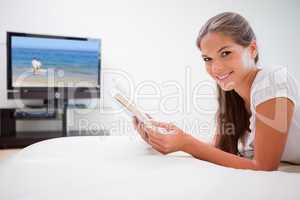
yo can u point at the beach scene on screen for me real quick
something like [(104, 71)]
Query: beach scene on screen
[(51, 62)]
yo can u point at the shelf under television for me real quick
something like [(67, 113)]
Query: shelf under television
[(35, 118)]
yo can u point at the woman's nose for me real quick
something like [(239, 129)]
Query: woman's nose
[(217, 67)]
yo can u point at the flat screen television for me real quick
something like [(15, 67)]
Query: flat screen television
[(37, 64)]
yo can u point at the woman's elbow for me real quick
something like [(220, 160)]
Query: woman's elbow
[(266, 166)]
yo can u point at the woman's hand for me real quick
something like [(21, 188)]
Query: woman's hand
[(173, 139), (140, 128)]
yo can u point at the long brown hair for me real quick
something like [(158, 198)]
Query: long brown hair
[(232, 116)]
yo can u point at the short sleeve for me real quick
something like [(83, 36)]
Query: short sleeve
[(275, 83)]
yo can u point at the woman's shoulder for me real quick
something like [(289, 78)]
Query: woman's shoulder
[(272, 82)]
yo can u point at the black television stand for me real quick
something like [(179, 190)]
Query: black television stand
[(10, 137)]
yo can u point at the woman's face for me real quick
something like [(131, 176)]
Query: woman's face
[(226, 61)]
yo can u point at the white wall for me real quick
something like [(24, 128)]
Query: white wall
[(154, 40)]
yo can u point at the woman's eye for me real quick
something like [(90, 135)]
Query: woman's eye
[(207, 59), (225, 53)]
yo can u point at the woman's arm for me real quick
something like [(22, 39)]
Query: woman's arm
[(273, 119), (207, 152)]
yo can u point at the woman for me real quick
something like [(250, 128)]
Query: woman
[(36, 65), (258, 115)]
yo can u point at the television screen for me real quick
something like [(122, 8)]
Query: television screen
[(53, 61)]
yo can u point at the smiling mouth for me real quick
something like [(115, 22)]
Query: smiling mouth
[(224, 77)]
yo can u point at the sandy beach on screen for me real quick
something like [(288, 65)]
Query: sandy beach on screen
[(24, 77)]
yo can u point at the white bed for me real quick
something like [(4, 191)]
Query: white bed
[(123, 167)]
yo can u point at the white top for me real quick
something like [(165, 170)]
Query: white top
[(271, 83), (36, 64)]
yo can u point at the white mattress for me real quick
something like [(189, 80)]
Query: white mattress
[(123, 167)]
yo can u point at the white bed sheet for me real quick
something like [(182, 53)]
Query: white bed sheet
[(124, 167)]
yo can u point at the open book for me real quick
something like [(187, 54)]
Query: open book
[(133, 109), (129, 105)]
